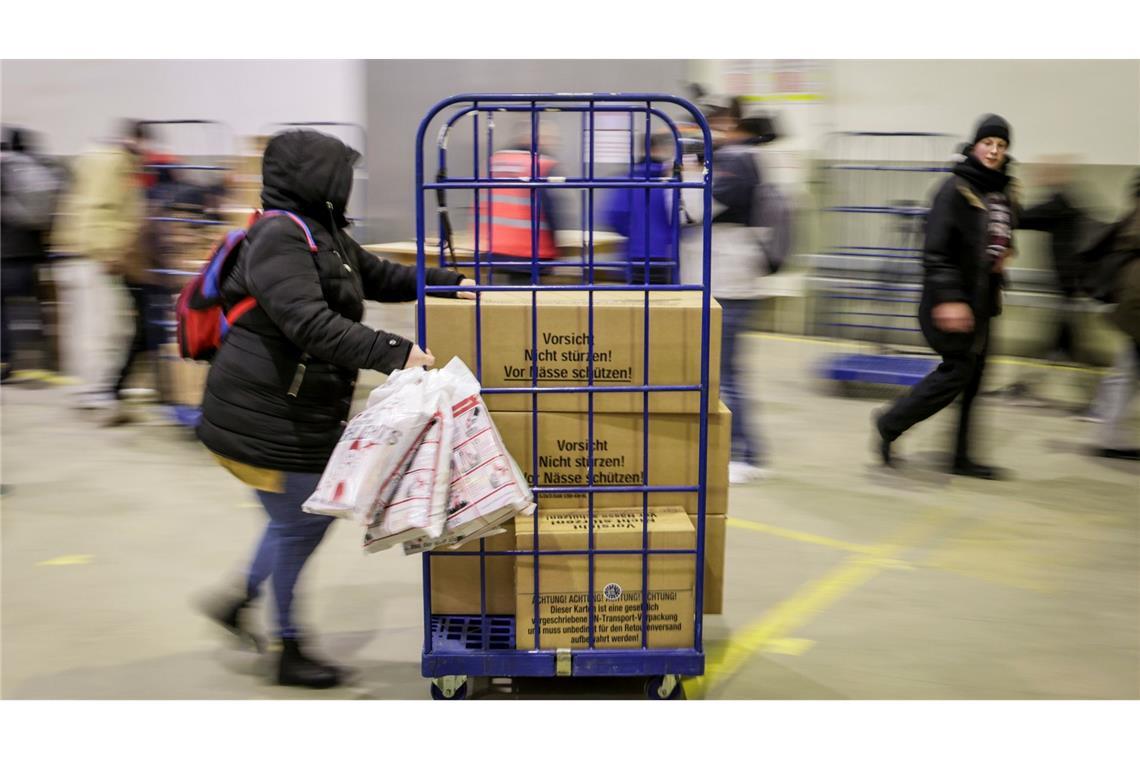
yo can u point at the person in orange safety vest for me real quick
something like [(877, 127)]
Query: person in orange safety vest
[(506, 215)]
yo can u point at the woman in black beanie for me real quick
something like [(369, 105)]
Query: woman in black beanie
[(968, 239)]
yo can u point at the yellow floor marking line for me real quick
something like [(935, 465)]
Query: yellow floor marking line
[(725, 660), (797, 535), (794, 647), (67, 559), (42, 375)]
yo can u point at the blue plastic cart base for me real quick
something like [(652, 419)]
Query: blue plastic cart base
[(881, 369), (187, 416), (457, 649)]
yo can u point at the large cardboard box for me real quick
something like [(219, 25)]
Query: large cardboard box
[(455, 579), (563, 349), (714, 564), (563, 583), (619, 455), (183, 381)]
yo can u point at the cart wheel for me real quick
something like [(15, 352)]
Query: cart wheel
[(664, 687), (456, 685)]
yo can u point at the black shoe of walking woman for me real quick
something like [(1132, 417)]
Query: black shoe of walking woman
[(970, 469), (295, 668), (882, 444), (230, 612)]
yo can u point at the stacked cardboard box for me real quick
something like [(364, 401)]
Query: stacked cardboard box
[(618, 460), (562, 349), (182, 381), (503, 328), (563, 583)]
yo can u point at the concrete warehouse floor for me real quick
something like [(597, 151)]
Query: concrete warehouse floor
[(843, 581)]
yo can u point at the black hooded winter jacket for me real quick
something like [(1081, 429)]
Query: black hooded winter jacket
[(955, 267), (309, 307)]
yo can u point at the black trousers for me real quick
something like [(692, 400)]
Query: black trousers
[(1065, 342), (17, 280), (959, 374), (147, 335), (658, 275)]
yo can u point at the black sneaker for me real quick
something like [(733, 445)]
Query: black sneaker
[(970, 469), (230, 612), (1130, 455), (882, 444), (295, 668)]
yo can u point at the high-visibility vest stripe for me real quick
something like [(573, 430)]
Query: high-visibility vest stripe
[(508, 212)]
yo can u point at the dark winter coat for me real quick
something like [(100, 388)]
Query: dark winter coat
[(1068, 227), (1113, 270), (309, 310), (954, 260)]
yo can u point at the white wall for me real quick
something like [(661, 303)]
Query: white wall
[(1090, 109), (74, 102), (1087, 108)]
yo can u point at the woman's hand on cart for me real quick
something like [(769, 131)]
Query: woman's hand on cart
[(419, 357), (468, 295), (954, 317)]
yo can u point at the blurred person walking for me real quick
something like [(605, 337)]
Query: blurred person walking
[(30, 187), (150, 292), (634, 214), (281, 386), (739, 259), (1063, 218), (1114, 278), (506, 223), (101, 220), (968, 240)]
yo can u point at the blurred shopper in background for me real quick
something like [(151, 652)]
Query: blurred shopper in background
[(739, 260), (102, 218), (30, 188), (646, 218), (1114, 277), (968, 240), (1063, 218), (506, 223), (281, 386), (149, 291)]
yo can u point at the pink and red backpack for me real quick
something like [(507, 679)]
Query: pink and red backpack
[(202, 319)]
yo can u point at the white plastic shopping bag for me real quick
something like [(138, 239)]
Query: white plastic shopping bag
[(487, 487), (416, 506), (375, 448)]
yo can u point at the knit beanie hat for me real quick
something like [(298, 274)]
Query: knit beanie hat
[(992, 125)]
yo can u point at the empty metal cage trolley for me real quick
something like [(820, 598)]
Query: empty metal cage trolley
[(867, 282)]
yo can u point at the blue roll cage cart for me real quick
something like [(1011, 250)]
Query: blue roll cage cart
[(869, 280), (456, 648)]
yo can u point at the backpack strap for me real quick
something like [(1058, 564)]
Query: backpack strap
[(296, 220), (240, 308)]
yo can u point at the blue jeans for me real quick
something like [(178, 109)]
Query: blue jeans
[(737, 316), (290, 538)]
